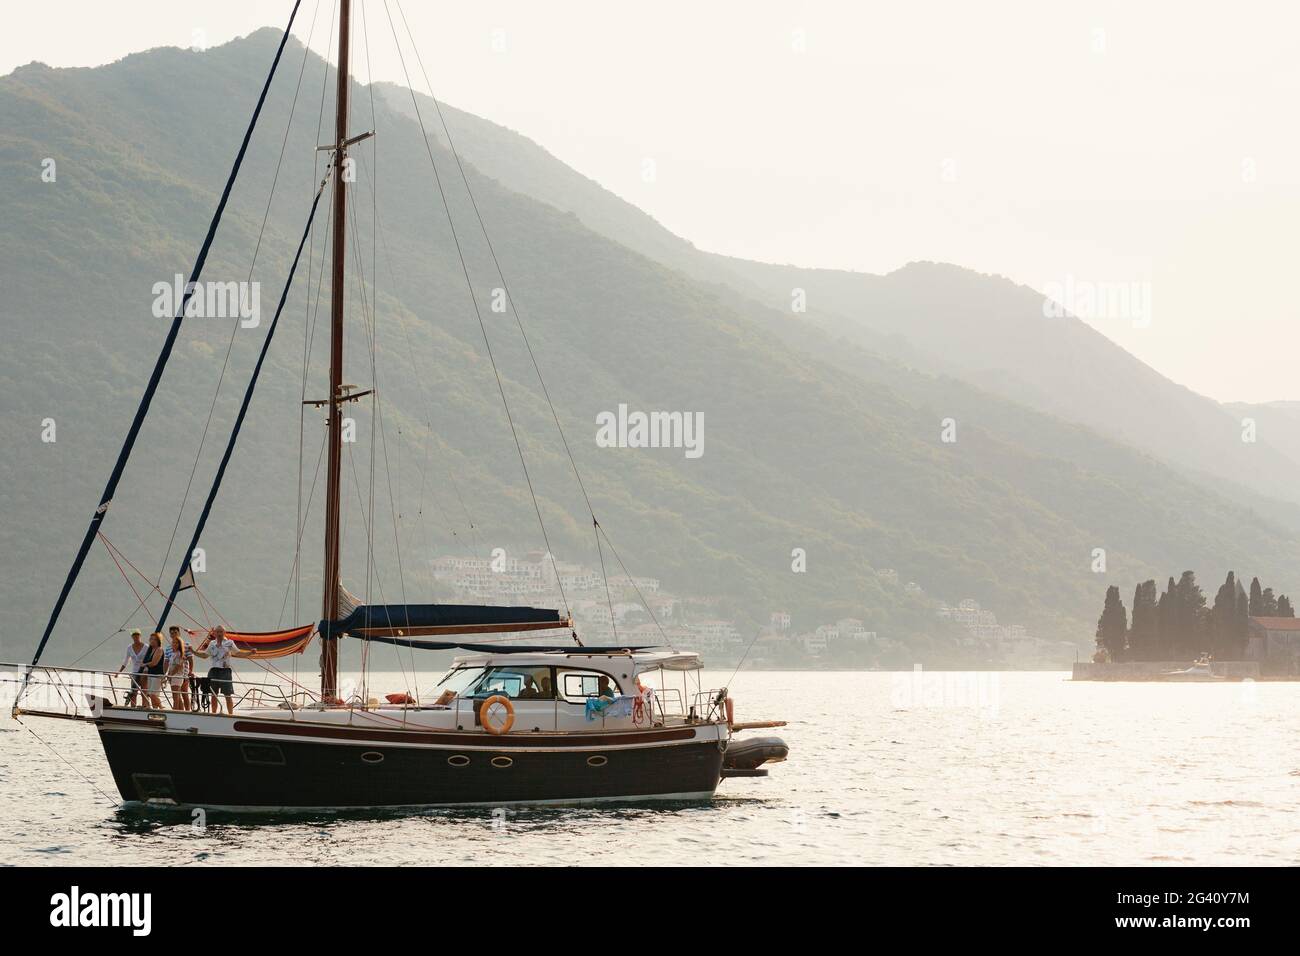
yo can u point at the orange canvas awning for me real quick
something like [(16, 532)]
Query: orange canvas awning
[(266, 645)]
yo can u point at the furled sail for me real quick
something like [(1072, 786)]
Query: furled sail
[(414, 620), (510, 648)]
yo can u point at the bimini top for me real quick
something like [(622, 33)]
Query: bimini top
[(598, 658)]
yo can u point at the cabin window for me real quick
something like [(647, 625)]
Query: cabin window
[(579, 685), (517, 683)]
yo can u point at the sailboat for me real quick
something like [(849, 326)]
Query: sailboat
[(509, 723)]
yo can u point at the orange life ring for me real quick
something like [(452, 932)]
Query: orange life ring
[(505, 726)]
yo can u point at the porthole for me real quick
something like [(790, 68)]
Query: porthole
[(372, 756), (597, 760), (502, 762), (458, 760)]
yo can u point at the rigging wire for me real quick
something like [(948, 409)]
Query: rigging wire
[(71, 766), (599, 531), (422, 384), (635, 587), (246, 401), (478, 313), (372, 330), (370, 321), (160, 364), (205, 604), (309, 335), (295, 569), (221, 377)]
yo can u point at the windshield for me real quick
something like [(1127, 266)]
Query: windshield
[(458, 678)]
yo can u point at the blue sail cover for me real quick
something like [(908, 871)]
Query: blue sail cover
[(578, 649), (413, 620)]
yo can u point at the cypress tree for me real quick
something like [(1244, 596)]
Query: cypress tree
[(1112, 626), (1267, 604), (1241, 627), (1223, 618), (1191, 622), (1284, 608), (1165, 623), (1144, 632), (1256, 598)]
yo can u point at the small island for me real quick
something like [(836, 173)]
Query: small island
[(1177, 636)]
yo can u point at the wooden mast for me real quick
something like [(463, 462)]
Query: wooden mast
[(329, 661)]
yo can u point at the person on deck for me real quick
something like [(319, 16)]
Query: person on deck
[(604, 696), (154, 668), (189, 690), (136, 653), (179, 660), (218, 650), (603, 689)]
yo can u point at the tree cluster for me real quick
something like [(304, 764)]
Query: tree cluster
[(1178, 624)]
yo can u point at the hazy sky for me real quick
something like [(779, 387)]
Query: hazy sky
[(1083, 145)]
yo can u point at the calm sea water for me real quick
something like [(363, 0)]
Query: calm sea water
[(990, 768)]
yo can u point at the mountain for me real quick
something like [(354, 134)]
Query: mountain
[(815, 437), (1278, 423), (983, 329)]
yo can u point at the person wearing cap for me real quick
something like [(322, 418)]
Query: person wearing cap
[(136, 653)]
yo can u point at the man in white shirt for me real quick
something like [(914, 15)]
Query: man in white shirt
[(218, 650), (136, 653)]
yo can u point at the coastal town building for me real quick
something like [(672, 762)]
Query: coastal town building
[(639, 610), (1274, 642)]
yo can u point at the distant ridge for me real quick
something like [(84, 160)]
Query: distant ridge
[(823, 431)]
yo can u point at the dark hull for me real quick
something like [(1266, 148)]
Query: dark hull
[(220, 771)]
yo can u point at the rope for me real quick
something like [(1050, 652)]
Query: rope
[(115, 552), (51, 749)]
